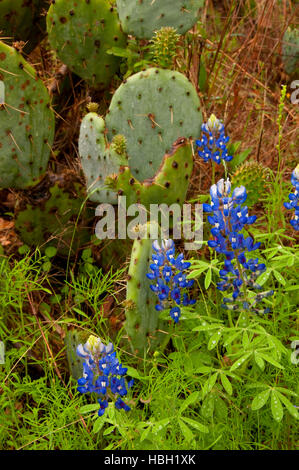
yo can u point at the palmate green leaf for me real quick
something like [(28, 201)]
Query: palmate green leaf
[(231, 337), (287, 391), (208, 405), (220, 408), (276, 407), (208, 278), (145, 433), (188, 434), (108, 430), (98, 424), (260, 361), (264, 277), (89, 408), (279, 277), (240, 361), (226, 384), (245, 340), (189, 400), (195, 424), (271, 360), (289, 406), (206, 327), (209, 384), (214, 340), (196, 273), (260, 400)]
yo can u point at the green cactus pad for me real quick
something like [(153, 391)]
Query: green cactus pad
[(253, 176), (26, 122), (142, 319), (72, 339), (53, 220), (81, 32), (152, 109), (97, 161), (290, 52), (23, 21), (169, 185), (142, 17)]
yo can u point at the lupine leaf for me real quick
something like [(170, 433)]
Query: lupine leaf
[(276, 407), (206, 327), (98, 424), (260, 400), (188, 434), (260, 362), (214, 340), (279, 277), (240, 361), (226, 384), (208, 278), (271, 360), (289, 406), (209, 384), (189, 400), (89, 408), (195, 424)]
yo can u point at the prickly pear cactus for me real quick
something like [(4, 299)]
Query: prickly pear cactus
[(169, 185), (23, 21), (152, 109), (53, 219), (254, 177), (26, 122), (290, 51), (72, 339), (98, 161), (81, 32), (142, 319), (142, 17)]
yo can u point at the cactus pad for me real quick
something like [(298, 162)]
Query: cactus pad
[(142, 17), (26, 122), (169, 185), (97, 161), (72, 339), (81, 32), (152, 109), (254, 177), (53, 219), (142, 320), (290, 51)]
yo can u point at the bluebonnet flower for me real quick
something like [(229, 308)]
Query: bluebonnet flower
[(294, 199), (212, 145), (103, 374), (228, 219), (167, 271)]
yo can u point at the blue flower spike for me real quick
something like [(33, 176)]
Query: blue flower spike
[(103, 374), (212, 145), (169, 276), (293, 203), (228, 218)]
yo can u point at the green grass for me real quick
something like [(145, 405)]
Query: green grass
[(177, 403)]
